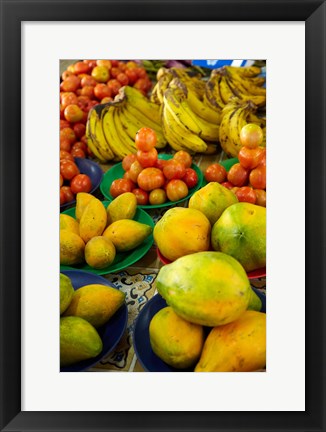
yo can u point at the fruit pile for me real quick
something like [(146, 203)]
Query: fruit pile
[(98, 233), (208, 293), (82, 312), (153, 180), (246, 178), (86, 84)]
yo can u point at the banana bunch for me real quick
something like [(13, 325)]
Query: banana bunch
[(235, 115), (231, 81), (111, 128), (187, 122)]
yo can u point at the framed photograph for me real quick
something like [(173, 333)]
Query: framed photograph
[(35, 36)]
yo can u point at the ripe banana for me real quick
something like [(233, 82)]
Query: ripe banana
[(96, 135), (126, 141), (92, 146), (246, 84), (191, 141), (247, 71), (212, 92), (201, 109), (111, 134)]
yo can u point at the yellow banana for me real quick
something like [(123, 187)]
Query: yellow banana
[(127, 142), (186, 138), (201, 109), (247, 71), (225, 90), (154, 96), (140, 102), (96, 134), (163, 84), (93, 147), (172, 140), (247, 84), (212, 92), (111, 134)]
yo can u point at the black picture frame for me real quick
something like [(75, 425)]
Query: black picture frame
[(13, 13)]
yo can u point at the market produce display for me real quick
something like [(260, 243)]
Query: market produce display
[(168, 157)]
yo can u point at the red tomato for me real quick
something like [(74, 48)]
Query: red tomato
[(142, 84), (68, 98), (251, 135), (246, 194), (141, 72), (123, 79), (68, 194), (261, 197), (263, 161), (257, 177), (68, 134), (132, 76), (120, 186), (65, 145), (78, 152), (141, 196), (114, 86), (134, 170), (115, 71), (184, 157), (176, 189), (106, 63), (81, 67), (215, 173), (79, 129), (174, 169), (79, 145), (147, 158), (128, 160), (73, 113), (64, 124), (68, 169), (157, 196), (64, 154), (66, 74), (250, 158), (238, 175), (190, 178), (61, 180), (160, 163), (81, 183), (70, 84), (106, 100), (145, 139), (88, 80), (150, 178), (102, 90), (86, 91), (114, 63)]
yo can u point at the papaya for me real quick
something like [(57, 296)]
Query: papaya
[(95, 303), (255, 302), (241, 233), (93, 220), (69, 223), (182, 231), (99, 252), (82, 199), (72, 248), (79, 340), (212, 200), (124, 206), (66, 292), (174, 340), (239, 346), (207, 288), (127, 234)]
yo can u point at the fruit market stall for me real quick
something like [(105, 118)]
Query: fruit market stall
[(161, 163)]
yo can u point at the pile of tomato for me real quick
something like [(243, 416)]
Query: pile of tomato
[(153, 180), (247, 178), (72, 180), (85, 84)]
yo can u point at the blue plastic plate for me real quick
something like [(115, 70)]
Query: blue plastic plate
[(93, 170), (110, 333), (149, 361)]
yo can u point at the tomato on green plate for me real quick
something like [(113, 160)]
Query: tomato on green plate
[(117, 172), (122, 259), (227, 163)]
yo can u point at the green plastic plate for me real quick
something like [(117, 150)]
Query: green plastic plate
[(117, 172), (122, 259)]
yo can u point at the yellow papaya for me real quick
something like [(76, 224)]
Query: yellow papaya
[(207, 288), (174, 340), (82, 199), (127, 234), (239, 346), (69, 223), (124, 206), (72, 248), (99, 252), (95, 303), (182, 231), (93, 220)]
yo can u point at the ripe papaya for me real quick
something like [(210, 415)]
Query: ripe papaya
[(72, 248), (124, 206), (93, 220), (182, 231), (239, 346), (207, 288), (127, 234)]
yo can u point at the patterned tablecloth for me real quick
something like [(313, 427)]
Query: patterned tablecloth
[(138, 282)]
